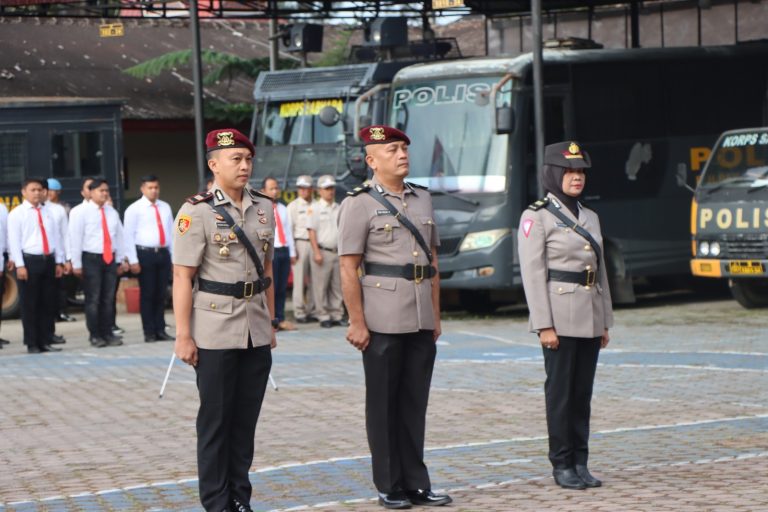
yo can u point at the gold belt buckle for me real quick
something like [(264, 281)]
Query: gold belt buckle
[(248, 289), (590, 277), (418, 276)]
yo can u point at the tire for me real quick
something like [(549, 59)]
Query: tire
[(11, 298), (476, 302), (750, 293)]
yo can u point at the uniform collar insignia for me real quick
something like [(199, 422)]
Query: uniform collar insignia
[(555, 202), (219, 195)]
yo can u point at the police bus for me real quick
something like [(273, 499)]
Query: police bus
[(641, 113), (62, 138), (729, 216)]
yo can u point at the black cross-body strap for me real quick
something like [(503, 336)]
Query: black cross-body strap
[(242, 237), (575, 226), (403, 220)]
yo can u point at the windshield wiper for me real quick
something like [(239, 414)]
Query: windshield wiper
[(452, 193), (729, 181)]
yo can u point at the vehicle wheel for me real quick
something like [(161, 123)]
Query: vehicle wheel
[(476, 301), (750, 293), (11, 297)]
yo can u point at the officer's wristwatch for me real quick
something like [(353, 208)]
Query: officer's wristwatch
[(275, 323)]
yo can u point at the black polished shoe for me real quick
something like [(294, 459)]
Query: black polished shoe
[(337, 323), (150, 338), (394, 500), (113, 341), (163, 336), (427, 498), (116, 329), (326, 323), (57, 340), (303, 320), (49, 348), (568, 479), (238, 506), (586, 476), (34, 350), (3, 341), (311, 318), (98, 342), (63, 317)]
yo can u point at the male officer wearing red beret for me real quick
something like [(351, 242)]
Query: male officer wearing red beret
[(386, 228), (223, 304)]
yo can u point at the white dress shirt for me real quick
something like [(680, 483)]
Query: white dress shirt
[(86, 235), (25, 236), (73, 212), (59, 214), (140, 226), (282, 211), (3, 230)]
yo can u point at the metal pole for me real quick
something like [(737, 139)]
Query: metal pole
[(197, 77), (273, 42), (634, 9), (538, 83)]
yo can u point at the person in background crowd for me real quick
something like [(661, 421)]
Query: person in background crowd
[(298, 212), (96, 241), (59, 216), (285, 251), (38, 255), (149, 227), (61, 213), (324, 238), (3, 259)]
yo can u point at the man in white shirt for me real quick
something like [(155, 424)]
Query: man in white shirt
[(285, 252), (97, 250), (60, 213), (3, 258), (38, 256), (298, 212), (149, 228)]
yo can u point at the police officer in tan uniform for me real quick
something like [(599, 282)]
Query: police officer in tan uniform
[(224, 306), (298, 213), (386, 229), (566, 287), (324, 236)]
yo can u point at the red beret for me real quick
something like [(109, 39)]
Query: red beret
[(224, 138), (381, 134)]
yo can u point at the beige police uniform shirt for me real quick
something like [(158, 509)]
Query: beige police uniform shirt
[(324, 221), (391, 304), (220, 321), (298, 212), (545, 242)]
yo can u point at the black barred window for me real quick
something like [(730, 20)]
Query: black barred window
[(13, 156)]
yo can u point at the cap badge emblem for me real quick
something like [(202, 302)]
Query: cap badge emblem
[(574, 149), (225, 139), (377, 133)]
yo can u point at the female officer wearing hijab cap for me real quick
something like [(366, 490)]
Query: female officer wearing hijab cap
[(566, 288)]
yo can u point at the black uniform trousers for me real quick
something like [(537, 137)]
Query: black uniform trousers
[(568, 393), (99, 285), (231, 384), (2, 285), (38, 299), (398, 373), (281, 269), (153, 288)]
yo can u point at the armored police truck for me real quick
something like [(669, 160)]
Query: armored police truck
[(729, 216), (641, 114), (63, 138)]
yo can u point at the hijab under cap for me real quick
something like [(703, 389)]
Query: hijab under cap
[(557, 158), (552, 182)]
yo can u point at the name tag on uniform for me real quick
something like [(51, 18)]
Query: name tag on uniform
[(561, 225), (383, 212)]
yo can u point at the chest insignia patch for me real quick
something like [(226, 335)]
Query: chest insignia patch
[(260, 212), (527, 225), (383, 212), (183, 224), (263, 220)]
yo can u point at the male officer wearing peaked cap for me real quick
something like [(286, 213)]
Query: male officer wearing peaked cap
[(223, 304), (386, 229)]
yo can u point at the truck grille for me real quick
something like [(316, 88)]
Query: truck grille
[(749, 246), (448, 246)]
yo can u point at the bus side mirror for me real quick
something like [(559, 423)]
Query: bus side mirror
[(328, 115), (505, 120), (682, 177)]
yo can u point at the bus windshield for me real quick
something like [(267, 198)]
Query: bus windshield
[(454, 147), (740, 160)]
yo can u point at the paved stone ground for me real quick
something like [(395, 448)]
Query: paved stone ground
[(680, 419)]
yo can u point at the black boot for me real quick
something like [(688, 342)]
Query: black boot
[(586, 476), (568, 479)]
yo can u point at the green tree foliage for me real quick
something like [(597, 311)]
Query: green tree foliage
[(338, 54)]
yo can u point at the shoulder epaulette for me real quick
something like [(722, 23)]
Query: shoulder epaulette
[(200, 198), (359, 190), (539, 204), (423, 187), (256, 193)]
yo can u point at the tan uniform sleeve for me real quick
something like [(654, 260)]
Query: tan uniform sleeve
[(532, 249), (604, 284), (189, 236), (353, 227)]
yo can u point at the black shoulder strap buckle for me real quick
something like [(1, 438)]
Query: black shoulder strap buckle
[(403, 219), (578, 229), (238, 231)]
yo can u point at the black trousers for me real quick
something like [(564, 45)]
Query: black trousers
[(281, 269), (2, 284), (38, 300), (231, 384), (398, 373), (153, 288), (568, 393), (99, 285)]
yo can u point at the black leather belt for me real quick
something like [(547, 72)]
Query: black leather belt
[(150, 249), (409, 271), (327, 249), (238, 290), (37, 256), (302, 239), (585, 278)]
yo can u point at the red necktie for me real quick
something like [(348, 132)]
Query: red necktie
[(46, 248), (159, 225), (106, 253), (280, 232)]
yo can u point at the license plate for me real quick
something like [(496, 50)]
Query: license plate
[(746, 267)]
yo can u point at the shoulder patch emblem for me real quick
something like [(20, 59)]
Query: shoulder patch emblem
[(359, 190), (183, 224), (527, 225), (199, 198), (255, 193), (423, 187), (538, 205)]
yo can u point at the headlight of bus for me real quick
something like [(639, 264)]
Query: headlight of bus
[(714, 249), (704, 248), (482, 239)]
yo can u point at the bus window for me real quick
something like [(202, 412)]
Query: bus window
[(13, 157), (76, 154)]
